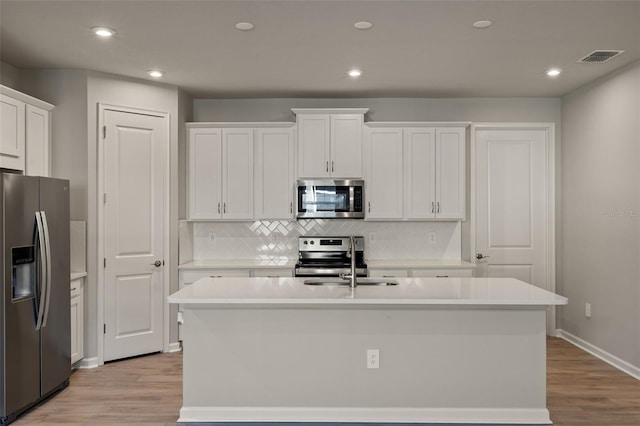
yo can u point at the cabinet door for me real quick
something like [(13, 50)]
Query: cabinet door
[(420, 173), (313, 145), (12, 134), (237, 169), (205, 174), (37, 141), (346, 145), (274, 174), (384, 173), (77, 327), (450, 173)]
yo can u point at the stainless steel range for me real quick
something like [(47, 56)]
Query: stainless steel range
[(328, 257)]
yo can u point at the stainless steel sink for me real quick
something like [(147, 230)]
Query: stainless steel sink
[(345, 282)]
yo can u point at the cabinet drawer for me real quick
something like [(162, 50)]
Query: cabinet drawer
[(189, 277), (272, 273), (76, 287), (389, 273), (426, 273)]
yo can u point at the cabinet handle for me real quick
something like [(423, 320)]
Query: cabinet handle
[(332, 166), (442, 276), (218, 207), (327, 167), (433, 207), (369, 207), (291, 207), (224, 207), (388, 276), (438, 210), (73, 289)]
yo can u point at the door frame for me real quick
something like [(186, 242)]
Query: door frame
[(550, 170), (100, 292)]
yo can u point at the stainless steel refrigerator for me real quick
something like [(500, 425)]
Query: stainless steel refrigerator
[(35, 339)]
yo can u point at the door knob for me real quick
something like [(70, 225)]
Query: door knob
[(480, 256), (157, 263)]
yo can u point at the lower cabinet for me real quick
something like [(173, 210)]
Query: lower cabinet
[(77, 315)]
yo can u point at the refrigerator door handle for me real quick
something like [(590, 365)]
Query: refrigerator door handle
[(48, 253), (43, 266)]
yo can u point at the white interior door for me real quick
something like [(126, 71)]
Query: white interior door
[(134, 175), (511, 204)]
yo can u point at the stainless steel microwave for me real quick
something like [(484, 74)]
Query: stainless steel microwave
[(330, 199)]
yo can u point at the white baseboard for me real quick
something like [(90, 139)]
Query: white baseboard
[(522, 416), (613, 360), (86, 363), (175, 347)]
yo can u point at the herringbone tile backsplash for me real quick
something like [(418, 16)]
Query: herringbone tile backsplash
[(278, 240)]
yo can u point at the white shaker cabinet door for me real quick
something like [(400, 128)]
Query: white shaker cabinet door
[(205, 173), (237, 174), (12, 133), (420, 172), (383, 195), (346, 145), (450, 173), (274, 174), (37, 141), (313, 145)]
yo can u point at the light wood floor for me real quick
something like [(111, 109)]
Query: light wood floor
[(581, 391)]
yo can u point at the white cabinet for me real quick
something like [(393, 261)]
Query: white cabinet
[(415, 172), (220, 182), (450, 173), (441, 273), (435, 172), (384, 189), (77, 320), (330, 142), (274, 174), (12, 128), (24, 133)]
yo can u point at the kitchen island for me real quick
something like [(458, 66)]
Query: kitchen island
[(464, 350)]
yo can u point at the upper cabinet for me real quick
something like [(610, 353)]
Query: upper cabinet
[(415, 171), (240, 171), (274, 174), (330, 142), (220, 183), (24, 133)]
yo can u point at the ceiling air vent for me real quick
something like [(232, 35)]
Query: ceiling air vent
[(599, 56)]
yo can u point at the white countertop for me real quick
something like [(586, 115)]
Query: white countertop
[(230, 292), (76, 275), (291, 263)]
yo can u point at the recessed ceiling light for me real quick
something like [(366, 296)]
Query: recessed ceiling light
[(103, 31), (244, 26), (554, 72), (481, 24), (363, 25), (354, 73), (155, 73)]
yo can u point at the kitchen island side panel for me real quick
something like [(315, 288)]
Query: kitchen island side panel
[(430, 357)]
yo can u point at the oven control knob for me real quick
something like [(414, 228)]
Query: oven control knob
[(306, 242), (312, 242)]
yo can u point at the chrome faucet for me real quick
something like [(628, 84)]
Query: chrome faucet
[(351, 252)]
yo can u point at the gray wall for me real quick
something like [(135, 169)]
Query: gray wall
[(601, 213), (398, 109), (120, 91), (9, 76)]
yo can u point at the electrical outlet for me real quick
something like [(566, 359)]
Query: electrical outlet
[(373, 358), (372, 236), (212, 237), (587, 310), (433, 238)]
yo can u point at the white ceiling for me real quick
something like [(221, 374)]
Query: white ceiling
[(304, 48)]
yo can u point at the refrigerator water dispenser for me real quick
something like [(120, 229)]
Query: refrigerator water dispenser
[(23, 273)]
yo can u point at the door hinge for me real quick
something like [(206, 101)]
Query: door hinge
[(105, 262), (104, 328), (104, 132)]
